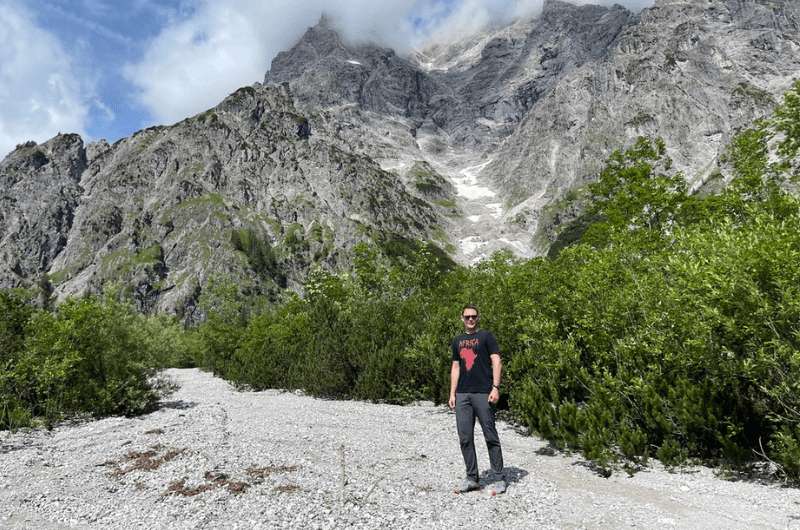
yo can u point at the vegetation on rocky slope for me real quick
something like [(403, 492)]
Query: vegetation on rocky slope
[(669, 328)]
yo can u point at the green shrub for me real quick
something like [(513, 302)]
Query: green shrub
[(258, 250), (14, 313), (691, 347), (87, 357), (167, 343), (225, 316)]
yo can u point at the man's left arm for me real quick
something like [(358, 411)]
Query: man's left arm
[(497, 370)]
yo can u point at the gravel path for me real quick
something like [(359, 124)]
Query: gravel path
[(212, 457)]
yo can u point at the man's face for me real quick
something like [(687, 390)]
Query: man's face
[(470, 318)]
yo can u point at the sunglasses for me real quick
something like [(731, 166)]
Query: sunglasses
[(469, 317)]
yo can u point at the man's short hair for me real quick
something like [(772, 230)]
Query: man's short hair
[(470, 306)]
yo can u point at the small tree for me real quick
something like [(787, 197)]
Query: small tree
[(636, 191)]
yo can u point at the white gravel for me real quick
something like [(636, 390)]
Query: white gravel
[(332, 464)]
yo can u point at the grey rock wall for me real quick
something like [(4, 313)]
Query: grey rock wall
[(546, 100), (693, 73), (39, 193), (231, 192)]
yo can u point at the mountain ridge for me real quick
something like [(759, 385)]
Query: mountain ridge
[(158, 211)]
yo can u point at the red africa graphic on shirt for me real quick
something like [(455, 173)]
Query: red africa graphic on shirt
[(469, 355)]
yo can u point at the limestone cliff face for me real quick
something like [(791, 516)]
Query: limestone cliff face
[(468, 89), (520, 64), (231, 192), (541, 103), (693, 73), (39, 193)]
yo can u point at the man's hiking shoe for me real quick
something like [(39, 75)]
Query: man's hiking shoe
[(496, 488), (466, 486)]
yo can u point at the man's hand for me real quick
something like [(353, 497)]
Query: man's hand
[(494, 396), (455, 371)]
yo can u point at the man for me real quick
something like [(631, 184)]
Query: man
[(474, 389)]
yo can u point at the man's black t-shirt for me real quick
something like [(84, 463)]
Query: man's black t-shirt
[(472, 351)]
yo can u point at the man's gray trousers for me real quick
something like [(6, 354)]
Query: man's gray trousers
[(468, 407)]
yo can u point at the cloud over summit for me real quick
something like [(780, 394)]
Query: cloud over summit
[(195, 62)]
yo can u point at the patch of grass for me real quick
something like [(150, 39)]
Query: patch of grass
[(209, 117), (753, 93), (274, 225), (287, 488), (59, 277), (446, 203), (294, 238), (70, 271), (208, 199), (119, 260), (245, 91), (214, 480), (257, 249), (315, 232), (195, 208), (178, 487), (322, 237), (148, 460), (146, 138), (425, 179), (440, 235), (260, 473), (122, 261), (219, 479), (148, 255)]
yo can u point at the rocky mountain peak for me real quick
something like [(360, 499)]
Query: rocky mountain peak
[(323, 70), (40, 192), (62, 155), (533, 108), (320, 40), (583, 30), (323, 45), (233, 192)]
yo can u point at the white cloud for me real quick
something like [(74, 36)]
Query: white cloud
[(470, 16), (192, 64), (224, 44), (40, 94)]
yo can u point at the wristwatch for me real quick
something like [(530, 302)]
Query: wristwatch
[(496, 386)]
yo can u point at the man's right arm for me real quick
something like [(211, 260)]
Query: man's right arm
[(455, 371)]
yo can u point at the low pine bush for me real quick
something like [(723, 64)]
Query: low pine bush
[(92, 356)]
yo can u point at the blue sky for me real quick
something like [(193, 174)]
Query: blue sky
[(102, 38), (106, 68)]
